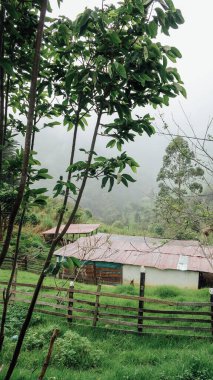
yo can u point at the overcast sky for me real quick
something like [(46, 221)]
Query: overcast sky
[(194, 40)]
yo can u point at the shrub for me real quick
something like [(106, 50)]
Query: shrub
[(37, 339), (73, 350), (196, 370), (159, 230), (126, 289), (195, 374), (33, 219), (117, 224), (15, 317), (167, 292)]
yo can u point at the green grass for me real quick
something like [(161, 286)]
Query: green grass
[(125, 356)]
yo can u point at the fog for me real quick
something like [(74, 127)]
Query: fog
[(194, 40)]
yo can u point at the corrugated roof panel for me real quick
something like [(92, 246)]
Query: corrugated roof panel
[(75, 229), (167, 261)]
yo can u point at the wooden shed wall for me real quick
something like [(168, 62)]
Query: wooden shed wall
[(98, 273)]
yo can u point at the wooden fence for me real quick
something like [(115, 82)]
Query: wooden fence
[(24, 263), (132, 314)]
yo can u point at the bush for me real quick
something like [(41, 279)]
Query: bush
[(37, 339), (127, 289), (167, 292), (73, 350), (159, 230), (15, 318), (33, 219), (195, 373), (118, 224), (189, 374)]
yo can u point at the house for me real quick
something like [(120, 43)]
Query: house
[(116, 259)]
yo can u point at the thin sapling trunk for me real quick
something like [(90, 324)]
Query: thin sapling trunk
[(49, 257)]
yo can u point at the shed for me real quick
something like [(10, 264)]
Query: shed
[(74, 231), (115, 259)]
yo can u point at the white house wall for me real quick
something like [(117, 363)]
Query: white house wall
[(131, 272), (157, 277)]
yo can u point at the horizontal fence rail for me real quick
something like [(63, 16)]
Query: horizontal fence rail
[(117, 311)]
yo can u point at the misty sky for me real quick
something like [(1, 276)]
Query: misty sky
[(194, 40)]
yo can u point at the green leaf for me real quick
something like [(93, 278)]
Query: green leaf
[(134, 169), (68, 79), (124, 181), (68, 264), (114, 37), (128, 177), (171, 56), (139, 4), (104, 182), (71, 187), (40, 191), (49, 9), (76, 262), (153, 29), (58, 188), (51, 124), (120, 69), (170, 5), (111, 183), (145, 53), (41, 201), (161, 15), (178, 17), (176, 52), (119, 146), (83, 20), (111, 144), (181, 89), (110, 71)]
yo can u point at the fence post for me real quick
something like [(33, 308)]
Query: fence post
[(25, 262), (13, 287), (70, 303), (141, 303), (211, 300), (95, 319)]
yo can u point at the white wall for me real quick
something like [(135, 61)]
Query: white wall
[(156, 277), (131, 272)]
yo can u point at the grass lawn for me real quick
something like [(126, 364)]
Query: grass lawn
[(121, 356)]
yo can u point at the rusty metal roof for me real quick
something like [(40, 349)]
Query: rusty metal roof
[(148, 252), (75, 229)]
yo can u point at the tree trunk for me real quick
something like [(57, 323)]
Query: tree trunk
[(69, 173), (7, 293), (2, 17)]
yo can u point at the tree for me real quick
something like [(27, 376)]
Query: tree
[(107, 62), (7, 12), (178, 205), (201, 144)]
